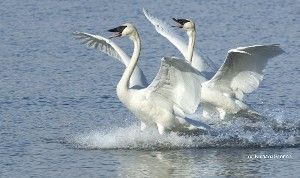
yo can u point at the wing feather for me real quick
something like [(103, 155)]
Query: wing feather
[(164, 29), (110, 48), (243, 68), (179, 82)]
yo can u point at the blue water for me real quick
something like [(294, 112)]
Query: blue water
[(60, 116)]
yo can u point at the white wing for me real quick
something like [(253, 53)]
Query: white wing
[(243, 68), (179, 83), (110, 48), (164, 29)]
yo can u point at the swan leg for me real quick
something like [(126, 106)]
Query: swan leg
[(161, 129), (222, 113), (143, 126)]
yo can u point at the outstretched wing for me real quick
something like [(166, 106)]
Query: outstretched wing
[(110, 48), (178, 82), (164, 29), (243, 68)]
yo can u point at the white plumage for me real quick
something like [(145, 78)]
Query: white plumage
[(164, 29), (110, 48), (178, 82), (241, 72), (164, 102)]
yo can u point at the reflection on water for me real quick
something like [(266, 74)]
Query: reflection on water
[(145, 165), (204, 162)]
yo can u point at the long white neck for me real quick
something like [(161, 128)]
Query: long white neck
[(123, 85), (192, 36)]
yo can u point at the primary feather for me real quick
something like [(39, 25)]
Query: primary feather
[(241, 72), (164, 29), (243, 67), (110, 48)]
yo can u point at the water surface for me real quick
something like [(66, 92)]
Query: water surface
[(60, 116)]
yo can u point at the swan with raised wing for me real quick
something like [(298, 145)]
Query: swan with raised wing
[(205, 66), (241, 72), (163, 103)]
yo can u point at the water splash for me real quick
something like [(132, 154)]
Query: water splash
[(278, 131), (129, 138)]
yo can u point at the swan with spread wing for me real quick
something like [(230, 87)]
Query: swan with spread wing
[(241, 72), (163, 103), (205, 66)]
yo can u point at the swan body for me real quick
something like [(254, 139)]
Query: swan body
[(241, 72), (162, 103)]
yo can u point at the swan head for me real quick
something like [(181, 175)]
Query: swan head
[(126, 29), (185, 24)]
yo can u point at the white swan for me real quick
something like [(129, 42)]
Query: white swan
[(163, 103), (204, 66), (241, 72)]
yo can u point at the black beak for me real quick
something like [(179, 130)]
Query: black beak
[(117, 31), (180, 22)]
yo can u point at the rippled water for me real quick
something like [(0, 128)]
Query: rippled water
[(60, 116)]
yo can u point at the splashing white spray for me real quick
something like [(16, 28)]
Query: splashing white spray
[(234, 133)]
